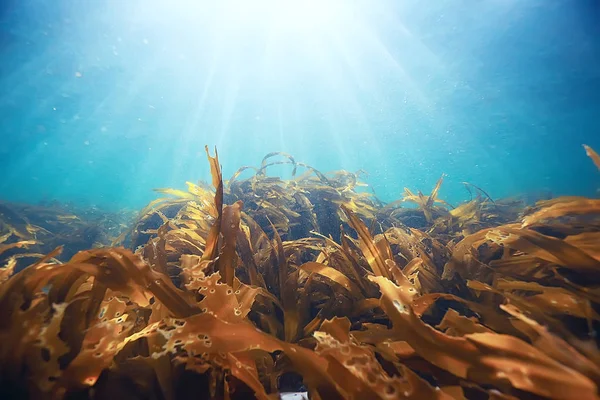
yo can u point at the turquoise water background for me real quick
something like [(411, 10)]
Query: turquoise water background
[(102, 101)]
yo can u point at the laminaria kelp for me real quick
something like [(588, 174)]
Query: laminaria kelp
[(245, 288)]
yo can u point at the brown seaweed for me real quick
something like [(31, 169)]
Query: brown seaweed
[(228, 288)]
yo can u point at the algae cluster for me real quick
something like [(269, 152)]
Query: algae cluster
[(248, 287)]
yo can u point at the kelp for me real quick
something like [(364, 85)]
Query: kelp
[(26, 231), (230, 289)]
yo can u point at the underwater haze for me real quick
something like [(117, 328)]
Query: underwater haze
[(103, 101), (316, 199)]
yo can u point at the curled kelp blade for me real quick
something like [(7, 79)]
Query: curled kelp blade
[(468, 185), (263, 164), (239, 172)]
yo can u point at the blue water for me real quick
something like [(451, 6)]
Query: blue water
[(102, 101)]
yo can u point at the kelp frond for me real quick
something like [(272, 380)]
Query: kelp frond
[(230, 289)]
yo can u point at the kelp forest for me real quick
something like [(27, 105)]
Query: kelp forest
[(249, 288)]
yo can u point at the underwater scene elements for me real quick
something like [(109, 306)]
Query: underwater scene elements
[(299, 199), (247, 288)]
